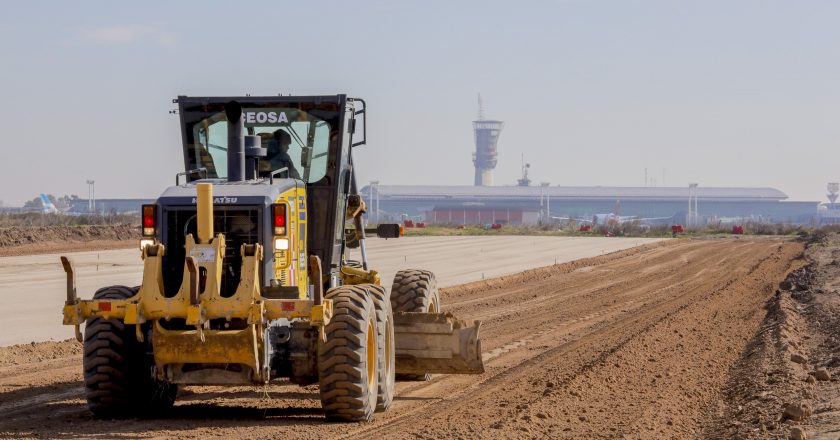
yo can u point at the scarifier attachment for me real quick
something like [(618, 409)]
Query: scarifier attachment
[(436, 343)]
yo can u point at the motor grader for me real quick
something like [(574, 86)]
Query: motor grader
[(247, 275)]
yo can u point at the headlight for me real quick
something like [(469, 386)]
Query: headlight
[(145, 242)]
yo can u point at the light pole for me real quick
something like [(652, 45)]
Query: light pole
[(691, 219), (91, 196), (547, 200)]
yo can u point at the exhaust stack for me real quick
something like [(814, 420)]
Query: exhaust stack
[(236, 142)]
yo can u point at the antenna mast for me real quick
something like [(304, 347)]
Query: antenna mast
[(524, 181)]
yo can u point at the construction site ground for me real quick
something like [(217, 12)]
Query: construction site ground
[(35, 315), (689, 338)]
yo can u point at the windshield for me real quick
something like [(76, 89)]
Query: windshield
[(294, 139)]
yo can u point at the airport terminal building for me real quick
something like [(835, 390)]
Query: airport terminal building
[(531, 205), (524, 205)]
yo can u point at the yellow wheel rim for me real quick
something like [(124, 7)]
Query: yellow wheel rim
[(371, 357)]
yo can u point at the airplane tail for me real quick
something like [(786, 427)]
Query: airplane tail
[(47, 204)]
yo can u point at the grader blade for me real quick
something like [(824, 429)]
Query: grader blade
[(436, 343)]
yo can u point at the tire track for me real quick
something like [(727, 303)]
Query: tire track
[(490, 385)]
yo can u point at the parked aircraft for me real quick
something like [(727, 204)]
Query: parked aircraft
[(614, 218), (48, 206)]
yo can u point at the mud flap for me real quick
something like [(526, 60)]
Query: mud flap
[(436, 343)]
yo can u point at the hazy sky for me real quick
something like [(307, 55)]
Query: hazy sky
[(724, 93)]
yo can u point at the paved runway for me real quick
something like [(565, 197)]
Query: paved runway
[(32, 288)]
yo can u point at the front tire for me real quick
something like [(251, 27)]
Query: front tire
[(416, 291), (118, 368), (387, 350), (348, 360)]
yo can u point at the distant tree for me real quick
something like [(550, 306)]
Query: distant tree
[(34, 203), (65, 201), (61, 203)]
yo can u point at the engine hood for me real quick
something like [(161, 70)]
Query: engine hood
[(229, 193)]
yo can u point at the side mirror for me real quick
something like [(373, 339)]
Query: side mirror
[(387, 230)]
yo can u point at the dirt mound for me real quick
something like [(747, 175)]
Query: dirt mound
[(38, 352), (783, 383), (19, 240), (17, 236)]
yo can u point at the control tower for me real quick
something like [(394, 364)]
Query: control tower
[(486, 137)]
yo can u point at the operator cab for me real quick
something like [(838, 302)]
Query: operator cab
[(295, 135), (284, 142)]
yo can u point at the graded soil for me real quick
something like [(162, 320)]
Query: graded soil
[(641, 343)]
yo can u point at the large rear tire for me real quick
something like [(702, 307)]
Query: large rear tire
[(118, 368), (387, 351), (415, 290), (347, 361)]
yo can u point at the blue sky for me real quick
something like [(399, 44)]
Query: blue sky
[(722, 93)]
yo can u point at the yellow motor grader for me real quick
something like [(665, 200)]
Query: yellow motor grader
[(247, 276)]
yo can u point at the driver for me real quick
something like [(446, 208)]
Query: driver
[(277, 144), (205, 160)]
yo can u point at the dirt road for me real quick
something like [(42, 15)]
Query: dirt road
[(32, 287), (636, 344)]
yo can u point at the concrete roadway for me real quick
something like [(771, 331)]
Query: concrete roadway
[(32, 288)]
